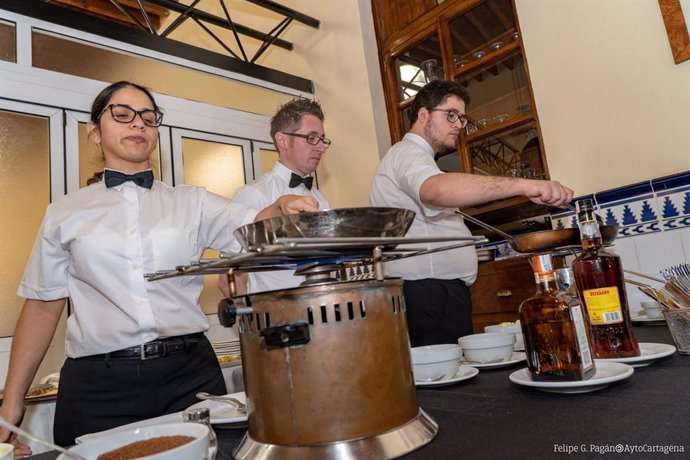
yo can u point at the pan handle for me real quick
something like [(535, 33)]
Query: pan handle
[(485, 225)]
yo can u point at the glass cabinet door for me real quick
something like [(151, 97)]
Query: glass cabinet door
[(418, 66)]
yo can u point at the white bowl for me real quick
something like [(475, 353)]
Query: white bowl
[(193, 450), (508, 327), (487, 347), (433, 361), (652, 309)]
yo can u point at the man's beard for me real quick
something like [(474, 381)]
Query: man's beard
[(437, 144)]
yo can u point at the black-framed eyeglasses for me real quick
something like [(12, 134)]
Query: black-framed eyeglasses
[(452, 116), (312, 138), (125, 114)]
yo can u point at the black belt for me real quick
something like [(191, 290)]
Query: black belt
[(154, 349)]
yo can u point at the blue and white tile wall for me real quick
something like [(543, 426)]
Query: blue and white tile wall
[(654, 226)]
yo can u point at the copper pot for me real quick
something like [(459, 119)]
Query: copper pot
[(327, 364)]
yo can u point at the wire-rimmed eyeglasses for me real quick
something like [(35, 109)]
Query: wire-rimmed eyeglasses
[(452, 116), (312, 138), (125, 114)]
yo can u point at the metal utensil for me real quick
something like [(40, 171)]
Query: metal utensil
[(15, 429), (241, 407), (364, 222), (544, 240)]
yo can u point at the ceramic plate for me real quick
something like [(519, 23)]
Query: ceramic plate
[(463, 373), (223, 412), (649, 352), (607, 373), (516, 358), (645, 320)]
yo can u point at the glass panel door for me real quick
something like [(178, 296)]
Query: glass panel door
[(31, 141)]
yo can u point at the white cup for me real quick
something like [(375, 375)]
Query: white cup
[(6, 451), (652, 309)]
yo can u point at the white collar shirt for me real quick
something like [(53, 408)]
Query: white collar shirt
[(96, 244), (261, 193), (397, 183)]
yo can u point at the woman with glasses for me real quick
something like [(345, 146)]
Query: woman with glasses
[(436, 289), (135, 349)]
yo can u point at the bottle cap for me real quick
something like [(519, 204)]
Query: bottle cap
[(542, 263), (201, 414)]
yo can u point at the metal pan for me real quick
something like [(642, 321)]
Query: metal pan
[(365, 222), (545, 240)]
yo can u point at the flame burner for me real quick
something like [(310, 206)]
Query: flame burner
[(326, 365)]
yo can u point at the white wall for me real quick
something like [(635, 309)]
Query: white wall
[(613, 106)]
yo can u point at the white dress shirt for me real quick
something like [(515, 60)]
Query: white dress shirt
[(396, 183), (95, 245), (259, 194)]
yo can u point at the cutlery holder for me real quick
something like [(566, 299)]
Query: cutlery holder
[(678, 320)]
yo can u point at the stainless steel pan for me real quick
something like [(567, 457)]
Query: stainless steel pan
[(365, 222), (545, 240)]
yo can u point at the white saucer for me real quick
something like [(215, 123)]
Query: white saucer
[(607, 372), (516, 358), (223, 412), (649, 352), (463, 373), (647, 321)]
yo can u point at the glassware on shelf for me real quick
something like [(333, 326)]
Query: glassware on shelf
[(501, 117), (514, 36), (479, 54), (431, 69), (496, 45)]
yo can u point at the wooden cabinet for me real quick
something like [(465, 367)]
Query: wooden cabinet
[(500, 288), (477, 43)]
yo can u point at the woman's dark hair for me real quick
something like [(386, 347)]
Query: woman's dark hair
[(104, 97), (434, 93)]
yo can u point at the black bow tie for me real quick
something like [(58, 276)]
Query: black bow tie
[(295, 180), (114, 178)]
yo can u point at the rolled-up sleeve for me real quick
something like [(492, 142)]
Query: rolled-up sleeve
[(45, 276)]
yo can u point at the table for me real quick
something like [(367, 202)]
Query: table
[(489, 417)]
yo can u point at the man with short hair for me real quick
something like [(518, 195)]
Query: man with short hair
[(436, 289), (298, 135)]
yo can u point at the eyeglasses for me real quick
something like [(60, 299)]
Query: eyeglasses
[(312, 138), (452, 116), (125, 114)]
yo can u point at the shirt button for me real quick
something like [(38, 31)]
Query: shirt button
[(132, 230), (135, 265)]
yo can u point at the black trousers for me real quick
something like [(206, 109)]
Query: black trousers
[(96, 394), (438, 311)]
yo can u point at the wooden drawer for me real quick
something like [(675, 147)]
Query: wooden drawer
[(500, 288)]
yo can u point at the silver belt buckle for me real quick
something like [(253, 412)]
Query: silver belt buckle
[(142, 352)]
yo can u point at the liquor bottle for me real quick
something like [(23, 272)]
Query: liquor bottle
[(554, 329), (601, 286)]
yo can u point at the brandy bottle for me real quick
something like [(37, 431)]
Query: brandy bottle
[(554, 329), (601, 286)]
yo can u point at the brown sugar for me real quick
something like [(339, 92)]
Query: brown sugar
[(147, 447)]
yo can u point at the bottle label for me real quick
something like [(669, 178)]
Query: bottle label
[(581, 331), (589, 229), (603, 305)]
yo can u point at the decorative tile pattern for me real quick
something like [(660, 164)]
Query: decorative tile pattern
[(673, 200), (646, 207)]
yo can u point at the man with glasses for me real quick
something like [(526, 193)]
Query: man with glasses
[(436, 289), (298, 135)]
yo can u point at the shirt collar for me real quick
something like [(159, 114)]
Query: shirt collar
[(284, 172), (421, 142)]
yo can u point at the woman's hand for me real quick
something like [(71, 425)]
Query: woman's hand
[(13, 415), (288, 204)]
